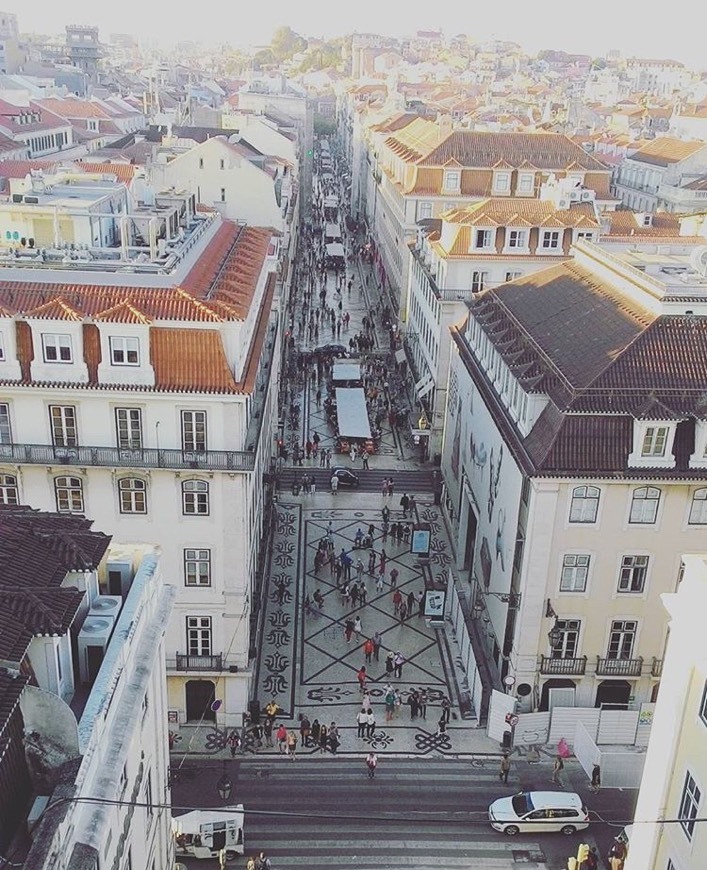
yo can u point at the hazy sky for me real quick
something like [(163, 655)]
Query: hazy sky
[(635, 28)]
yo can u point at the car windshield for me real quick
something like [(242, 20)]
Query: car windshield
[(521, 803)]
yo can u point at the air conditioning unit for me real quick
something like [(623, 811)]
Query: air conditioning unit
[(92, 644), (107, 606), (586, 195)]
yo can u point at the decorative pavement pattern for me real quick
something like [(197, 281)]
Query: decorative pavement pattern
[(307, 666)]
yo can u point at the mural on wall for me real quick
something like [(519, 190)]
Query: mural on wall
[(494, 478), (486, 563), (500, 529), (457, 441)]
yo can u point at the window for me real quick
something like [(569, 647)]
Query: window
[(9, 492), (517, 239), (63, 425), (128, 426), (525, 182), (575, 570), (2, 347), (566, 647), (124, 351), (550, 240), (703, 705), (585, 504), (197, 567), (655, 441), (501, 182), (201, 163), (585, 235), (511, 276), (452, 180), (698, 508), (222, 163), (644, 505), (622, 638), (57, 348), (223, 194), (194, 431), (424, 210), (632, 577), (483, 239), (478, 281), (689, 805), (69, 495), (199, 635), (133, 495), (5, 430), (195, 497)]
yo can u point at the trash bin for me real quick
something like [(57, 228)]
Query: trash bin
[(295, 488), (507, 741)]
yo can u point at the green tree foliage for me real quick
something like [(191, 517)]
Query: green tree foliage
[(285, 43)]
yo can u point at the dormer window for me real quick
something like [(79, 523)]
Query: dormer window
[(551, 240), (56, 348), (484, 240), (501, 182), (93, 125), (526, 184), (452, 179), (517, 240), (653, 444), (699, 456), (124, 351)]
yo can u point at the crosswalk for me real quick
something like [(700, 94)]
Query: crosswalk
[(326, 813)]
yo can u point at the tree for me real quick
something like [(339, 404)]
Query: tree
[(285, 43)]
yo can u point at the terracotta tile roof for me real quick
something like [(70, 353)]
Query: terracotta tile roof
[(190, 360), (219, 287), (414, 140), (73, 108), (124, 172), (521, 212), (547, 151), (397, 122), (627, 223), (666, 150)]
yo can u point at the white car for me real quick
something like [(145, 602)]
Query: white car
[(539, 812)]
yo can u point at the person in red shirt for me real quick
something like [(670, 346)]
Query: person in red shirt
[(361, 676)]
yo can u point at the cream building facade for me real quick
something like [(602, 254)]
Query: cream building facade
[(671, 800), (576, 474), (137, 388)]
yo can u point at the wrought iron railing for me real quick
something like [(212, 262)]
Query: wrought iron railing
[(573, 667), (619, 667), (199, 663)]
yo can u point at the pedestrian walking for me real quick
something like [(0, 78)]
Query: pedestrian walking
[(617, 855), (399, 661), (394, 574), (304, 730), (370, 722), (382, 563), (397, 601), (404, 503), (267, 731), (422, 698), (446, 709), (371, 764), (557, 769), (234, 742), (411, 602), (595, 785), (364, 458), (368, 650), (349, 629), (292, 745), (377, 640), (504, 768), (390, 663), (379, 583), (358, 628), (362, 722), (282, 739), (389, 704), (361, 677), (334, 483), (323, 738), (262, 862), (362, 592), (441, 727)]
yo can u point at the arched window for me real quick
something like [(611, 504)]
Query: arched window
[(69, 495), (698, 508), (132, 493), (585, 504), (644, 504), (9, 493), (195, 497)]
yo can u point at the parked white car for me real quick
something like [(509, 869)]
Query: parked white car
[(539, 812)]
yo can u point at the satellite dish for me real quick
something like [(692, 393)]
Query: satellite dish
[(698, 260)]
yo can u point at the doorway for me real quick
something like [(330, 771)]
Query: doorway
[(470, 542), (613, 694), (200, 695), (554, 684)]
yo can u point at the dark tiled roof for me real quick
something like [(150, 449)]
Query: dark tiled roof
[(545, 151), (583, 444), (574, 326), (37, 550)]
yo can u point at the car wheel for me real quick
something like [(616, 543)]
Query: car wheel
[(356, 483), (568, 830), (511, 830)]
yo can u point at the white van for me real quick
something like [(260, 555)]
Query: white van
[(206, 833), (539, 812)]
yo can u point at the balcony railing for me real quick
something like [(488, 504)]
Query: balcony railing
[(199, 663), (575, 667), (619, 667), (42, 454), (657, 667)]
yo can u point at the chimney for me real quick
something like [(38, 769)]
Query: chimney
[(444, 122)]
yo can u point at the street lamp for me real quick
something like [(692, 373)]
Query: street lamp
[(554, 635)]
